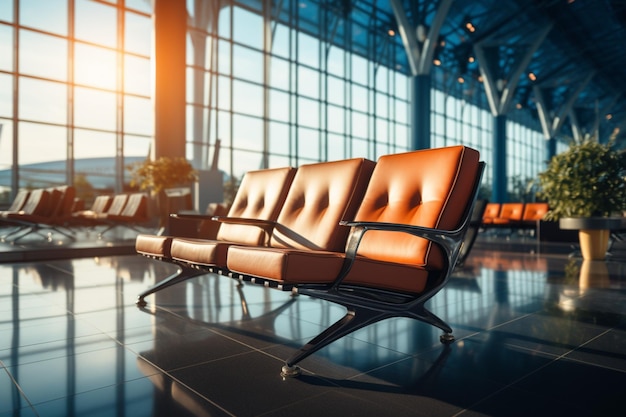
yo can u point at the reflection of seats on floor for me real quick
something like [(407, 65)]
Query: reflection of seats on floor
[(385, 261), (46, 210)]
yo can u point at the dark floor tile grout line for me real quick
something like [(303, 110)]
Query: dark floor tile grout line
[(19, 388)]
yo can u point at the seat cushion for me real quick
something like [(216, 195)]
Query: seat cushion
[(200, 251), (154, 245), (293, 266), (285, 265)]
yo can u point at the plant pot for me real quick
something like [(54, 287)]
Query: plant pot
[(594, 243), (593, 234)]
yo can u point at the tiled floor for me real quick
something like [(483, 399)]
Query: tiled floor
[(537, 335)]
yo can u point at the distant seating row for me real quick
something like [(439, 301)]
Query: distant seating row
[(378, 238), (51, 209), (514, 215)]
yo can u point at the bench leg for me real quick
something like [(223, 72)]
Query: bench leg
[(353, 320), (181, 275)]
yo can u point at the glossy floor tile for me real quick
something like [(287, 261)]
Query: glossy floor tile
[(537, 334)]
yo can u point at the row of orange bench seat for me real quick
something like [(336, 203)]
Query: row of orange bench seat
[(514, 215), (380, 238)]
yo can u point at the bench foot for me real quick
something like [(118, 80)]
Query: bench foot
[(290, 371), (446, 338)]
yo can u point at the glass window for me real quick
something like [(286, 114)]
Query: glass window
[(336, 147), (308, 82), (244, 161), (137, 146), (46, 15), (335, 62), (336, 119), (247, 64), (308, 112), (308, 144), (279, 73), (336, 91), (137, 34), (6, 96), (53, 148), (359, 124), (140, 5), (6, 147), (94, 66), (137, 75), (279, 138), (308, 50), (223, 93), (280, 43), (279, 106), (247, 133), (95, 109), (94, 164), (42, 101), (247, 28), (6, 48), (138, 115), (359, 69), (224, 57), (359, 98), (96, 22), (43, 55), (6, 10), (247, 98)]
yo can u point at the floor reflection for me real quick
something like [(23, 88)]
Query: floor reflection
[(72, 343)]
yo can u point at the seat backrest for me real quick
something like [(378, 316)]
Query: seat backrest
[(101, 204), (492, 210), (429, 188), (136, 207), (320, 196), (534, 211), (19, 201), (117, 205), (260, 195), (66, 202), (511, 211), (37, 201)]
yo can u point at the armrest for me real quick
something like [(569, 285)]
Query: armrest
[(244, 220), (446, 238)]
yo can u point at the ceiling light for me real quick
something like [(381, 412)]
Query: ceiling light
[(421, 33)]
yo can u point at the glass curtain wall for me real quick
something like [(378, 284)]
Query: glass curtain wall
[(75, 93), (274, 95), (76, 89)]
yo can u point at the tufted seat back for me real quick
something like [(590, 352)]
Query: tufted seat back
[(428, 188), (510, 212), (260, 196), (320, 196), (534, 211)]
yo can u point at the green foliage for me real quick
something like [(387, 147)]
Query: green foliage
[(161, 174), (586, 180)]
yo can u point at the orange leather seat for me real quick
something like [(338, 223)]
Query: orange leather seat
[(534, 212), (433, 196), (492, 210), (320, 196), (259, 197), (509, 213)]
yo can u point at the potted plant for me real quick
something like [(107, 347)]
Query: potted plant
[(158, 175), (584, 186)]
